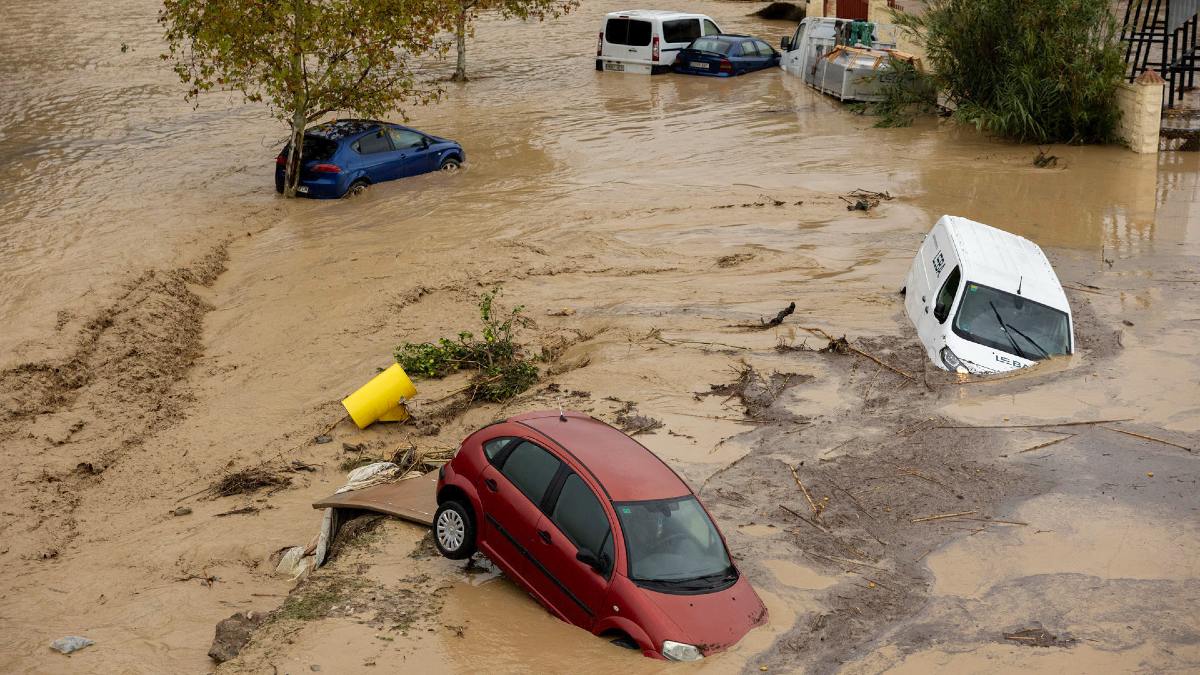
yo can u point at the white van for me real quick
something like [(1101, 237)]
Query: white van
[(647, 40), (984, 300)]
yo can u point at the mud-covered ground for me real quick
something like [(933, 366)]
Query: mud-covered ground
[(170, 326)]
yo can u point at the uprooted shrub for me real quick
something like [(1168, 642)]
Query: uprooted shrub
[(502, 368), (408, 459), (1031, 70), (246, 481), (907, 92)]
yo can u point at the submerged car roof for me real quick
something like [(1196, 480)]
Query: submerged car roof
[(1005, 261), (625, 468)]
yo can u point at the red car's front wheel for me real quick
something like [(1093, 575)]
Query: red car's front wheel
[(454, 531)]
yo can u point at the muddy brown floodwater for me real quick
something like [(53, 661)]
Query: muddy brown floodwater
[(167, 319)]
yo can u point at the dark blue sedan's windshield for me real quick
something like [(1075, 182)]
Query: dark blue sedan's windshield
[(672, 540), (710, 45)]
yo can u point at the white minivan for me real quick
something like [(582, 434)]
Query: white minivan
[(984, 300), (647, 40)]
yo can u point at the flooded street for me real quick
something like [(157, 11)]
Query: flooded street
[(168, 318)]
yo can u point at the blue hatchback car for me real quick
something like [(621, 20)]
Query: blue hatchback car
[(725, 56), (346, 156)]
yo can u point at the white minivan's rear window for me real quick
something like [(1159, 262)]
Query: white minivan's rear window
[(627, 32), (681, 30)]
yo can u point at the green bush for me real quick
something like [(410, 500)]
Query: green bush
[(1032, 70), (502, 371)]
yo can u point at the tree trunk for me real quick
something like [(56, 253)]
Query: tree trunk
[(460, 34), (291, 176)]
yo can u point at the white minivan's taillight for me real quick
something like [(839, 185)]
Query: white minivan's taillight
[(600, 44), (654, 50)]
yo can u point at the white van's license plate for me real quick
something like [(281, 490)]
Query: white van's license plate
[(699, 65), (608, 65)]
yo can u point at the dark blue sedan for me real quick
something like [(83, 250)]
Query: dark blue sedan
[(344, 157), (725, 56)]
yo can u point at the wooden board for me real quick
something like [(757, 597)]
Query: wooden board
[(414, 500)]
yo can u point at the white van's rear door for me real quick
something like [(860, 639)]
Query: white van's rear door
[(918, 296), (626, 40)]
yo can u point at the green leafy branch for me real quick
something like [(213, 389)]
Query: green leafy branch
[(502, 369)]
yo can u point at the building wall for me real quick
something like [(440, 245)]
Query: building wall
[(880, 11)]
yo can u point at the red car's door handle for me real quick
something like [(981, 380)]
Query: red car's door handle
[(544, 535), (491, 484)]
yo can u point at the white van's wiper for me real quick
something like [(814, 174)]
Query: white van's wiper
[(1031, 341), (1004, 329)]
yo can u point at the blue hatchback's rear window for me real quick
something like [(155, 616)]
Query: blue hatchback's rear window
[(711, 45), (316, 149)]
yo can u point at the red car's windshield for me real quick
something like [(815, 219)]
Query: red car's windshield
[(673, 544)]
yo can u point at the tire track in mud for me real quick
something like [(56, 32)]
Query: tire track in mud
[(65, 421)]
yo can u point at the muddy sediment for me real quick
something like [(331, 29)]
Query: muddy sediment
[(870, 510), (121, 383)]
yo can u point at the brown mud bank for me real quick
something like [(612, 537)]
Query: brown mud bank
[(68, 421)]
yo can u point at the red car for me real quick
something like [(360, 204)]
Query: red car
[(599, 530)]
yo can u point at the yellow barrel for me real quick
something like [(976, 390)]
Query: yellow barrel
[(381, 397)]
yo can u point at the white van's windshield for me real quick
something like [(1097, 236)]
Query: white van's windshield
[(1011, 323)]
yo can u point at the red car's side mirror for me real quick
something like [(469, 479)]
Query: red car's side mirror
[(588, 558)]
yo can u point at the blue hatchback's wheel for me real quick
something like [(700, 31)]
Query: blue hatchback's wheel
[(449, 164), (357, 188)]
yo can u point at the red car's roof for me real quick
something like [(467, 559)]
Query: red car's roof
[(625, 469)]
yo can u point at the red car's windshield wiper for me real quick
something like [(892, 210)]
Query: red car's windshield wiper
[(697, 583)]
